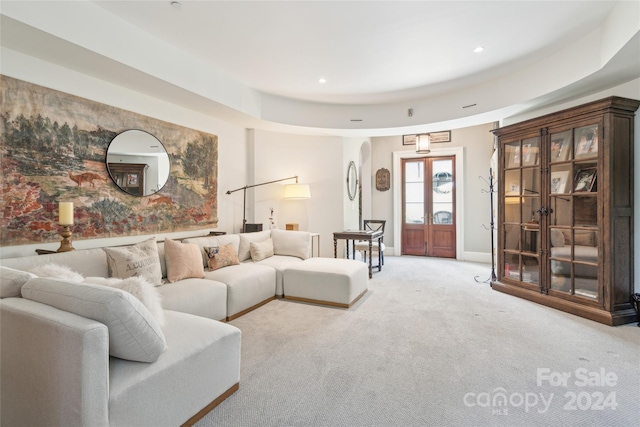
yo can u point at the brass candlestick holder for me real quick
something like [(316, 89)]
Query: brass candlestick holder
[(65, 244)]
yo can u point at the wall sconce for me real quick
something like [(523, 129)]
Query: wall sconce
[(423, 143), (65, 219)]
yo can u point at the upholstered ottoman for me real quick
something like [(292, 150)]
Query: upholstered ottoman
[(338, 282)]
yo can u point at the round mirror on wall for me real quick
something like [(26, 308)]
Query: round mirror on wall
[(138, 162), (352, 180)]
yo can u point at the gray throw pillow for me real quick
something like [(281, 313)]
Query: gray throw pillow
[(139, 260)]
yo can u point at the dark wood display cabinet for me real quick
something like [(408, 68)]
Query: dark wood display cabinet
[(129, 176), (565, 215)]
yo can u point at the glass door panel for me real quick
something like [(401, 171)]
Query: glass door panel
[(512, 155), (442, 194), (522, 191), (414, 192), (512, 183), (573, 219)]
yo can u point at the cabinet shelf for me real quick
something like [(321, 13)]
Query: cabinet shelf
[(572, 173)]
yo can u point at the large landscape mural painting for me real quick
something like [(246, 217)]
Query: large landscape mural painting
[(53, 148)]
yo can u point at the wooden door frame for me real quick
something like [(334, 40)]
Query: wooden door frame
[(458, 152)]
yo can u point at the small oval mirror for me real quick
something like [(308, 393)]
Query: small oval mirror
[(138, 162), (352, 180)]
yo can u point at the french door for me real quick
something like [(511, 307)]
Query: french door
[(428, 207)]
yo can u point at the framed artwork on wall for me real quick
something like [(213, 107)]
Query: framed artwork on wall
[(409, 139)]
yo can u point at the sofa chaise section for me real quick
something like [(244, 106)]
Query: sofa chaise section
[(64, 375)]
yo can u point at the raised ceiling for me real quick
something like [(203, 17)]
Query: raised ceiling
[(260, 62)]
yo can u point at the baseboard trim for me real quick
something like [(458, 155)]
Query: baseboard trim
[(322, 302), (204, 411), (243, 312)]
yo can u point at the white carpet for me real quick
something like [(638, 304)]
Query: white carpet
[(428, 346)]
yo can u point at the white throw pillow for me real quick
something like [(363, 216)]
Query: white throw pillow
[(140, 288), (244, 250), (134, 334), (11, 280), (57, 272), (261, 250), (292, 243), (141, 259)]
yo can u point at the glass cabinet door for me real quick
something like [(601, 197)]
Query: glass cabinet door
[(573, 241), (521, 190)]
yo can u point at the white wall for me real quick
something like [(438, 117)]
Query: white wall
[(317, 161), (232, 147), (477, 143)]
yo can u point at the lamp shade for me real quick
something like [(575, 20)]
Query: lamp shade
[(297, 191), (422, 144)]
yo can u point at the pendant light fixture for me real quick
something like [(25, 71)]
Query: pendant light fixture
[(423, 143)]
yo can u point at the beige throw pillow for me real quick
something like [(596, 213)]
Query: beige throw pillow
[(261, 250), (140, 260), (557, 238), (221, 256), (183, 260)]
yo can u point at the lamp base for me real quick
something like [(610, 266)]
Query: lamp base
[(65, 244)]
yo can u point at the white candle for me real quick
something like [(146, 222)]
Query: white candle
[(65, 213)]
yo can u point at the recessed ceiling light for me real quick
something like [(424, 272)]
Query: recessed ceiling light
[(478, 49), (322, 80), (176, 5)]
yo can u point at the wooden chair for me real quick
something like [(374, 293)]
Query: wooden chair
[(363, 246)]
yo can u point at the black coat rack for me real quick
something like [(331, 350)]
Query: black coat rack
[(491, 228)]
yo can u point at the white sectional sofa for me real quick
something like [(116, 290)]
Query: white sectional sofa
[(57, 355)]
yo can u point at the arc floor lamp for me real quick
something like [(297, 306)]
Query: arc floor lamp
[(291, 191)]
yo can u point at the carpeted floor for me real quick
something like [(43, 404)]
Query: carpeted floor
[(429, 346)]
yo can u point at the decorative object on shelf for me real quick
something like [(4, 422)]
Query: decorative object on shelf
[(383, 179), (292, 227), (352, 180), (291, 191), (272, 224), (585, 179), (559, 181), (65, 219), (491, 228)]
